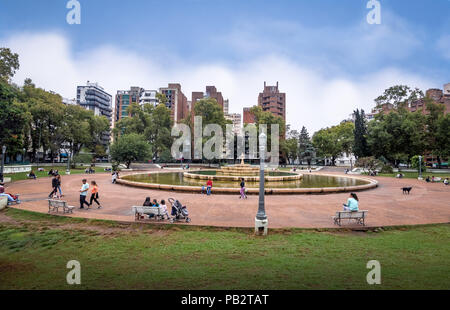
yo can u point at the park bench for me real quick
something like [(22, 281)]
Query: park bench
[(358, 216), (140, 211), (54, 205)]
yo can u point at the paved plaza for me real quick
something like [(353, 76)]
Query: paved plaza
[(427, 203)]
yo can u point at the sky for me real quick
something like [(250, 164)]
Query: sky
[(325, 55)]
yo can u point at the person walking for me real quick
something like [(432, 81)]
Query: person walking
[(243, 195), (54, 187), (58, 177), (83, 193), (94, 195)]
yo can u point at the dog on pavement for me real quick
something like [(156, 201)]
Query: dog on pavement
[(406, 190)]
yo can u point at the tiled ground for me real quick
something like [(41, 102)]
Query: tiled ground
[(427, 203)]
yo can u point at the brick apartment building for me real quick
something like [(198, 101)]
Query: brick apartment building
[(211, 92), (248, 117), (176, 101), (273, 101)]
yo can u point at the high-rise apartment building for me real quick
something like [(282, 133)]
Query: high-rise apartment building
[(273, 101), (124, 98), (176, 101), (93, 97), (226, 106)]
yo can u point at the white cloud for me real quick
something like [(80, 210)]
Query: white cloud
[(314, 99)]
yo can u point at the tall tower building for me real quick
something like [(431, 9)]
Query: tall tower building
[(273, 101), (93, 97)]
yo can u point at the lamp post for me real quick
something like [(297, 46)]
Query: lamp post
[(261, 222), (3, 162), (68, 162), (420, 167), (23, 157)]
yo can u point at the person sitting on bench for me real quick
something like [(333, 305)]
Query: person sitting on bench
[(10, 197), (352, 203), (32, 175)]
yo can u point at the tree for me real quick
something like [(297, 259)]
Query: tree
[(269, 119), (434, 138), (368, 163), (306, 150), (12, 119), (9, 64), (360, 149), (129, 148), (332, 142), (398, 96), (397, 136)]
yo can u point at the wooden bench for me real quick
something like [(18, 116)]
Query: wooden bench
[(140, 211), (54, 205), (358, 216)]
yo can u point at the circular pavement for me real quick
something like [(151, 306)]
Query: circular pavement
[(427, 203)]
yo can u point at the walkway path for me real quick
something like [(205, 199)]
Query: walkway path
[(427, 203)]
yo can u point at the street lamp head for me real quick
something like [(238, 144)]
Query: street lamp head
[(4, 149)]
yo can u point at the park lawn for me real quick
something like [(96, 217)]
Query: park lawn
[(40, 174), (35, 248), (415, 175)]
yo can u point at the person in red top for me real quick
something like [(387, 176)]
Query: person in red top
[(209, 185)]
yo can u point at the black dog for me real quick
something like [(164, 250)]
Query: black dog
[(406, 190)]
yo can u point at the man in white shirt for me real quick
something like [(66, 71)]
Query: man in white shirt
[(83, 193)]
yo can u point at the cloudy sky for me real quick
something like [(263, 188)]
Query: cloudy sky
[(323, 53)]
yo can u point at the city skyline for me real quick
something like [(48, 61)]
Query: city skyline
[(332, 63)]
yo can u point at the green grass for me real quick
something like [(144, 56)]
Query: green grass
[(35, 248), (415, 175), (40, 174)]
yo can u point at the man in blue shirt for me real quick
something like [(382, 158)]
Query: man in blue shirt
[(83, 193)]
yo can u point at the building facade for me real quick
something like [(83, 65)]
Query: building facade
[(176, 101), (273, 101), (211, 92), (236, 119), (248, 116), (93, 97)]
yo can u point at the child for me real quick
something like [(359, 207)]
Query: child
[(164, 209), (243, 196), (209, 185), (155, 203), (94, 195)]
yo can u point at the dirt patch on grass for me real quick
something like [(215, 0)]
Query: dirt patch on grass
[(15, 267)]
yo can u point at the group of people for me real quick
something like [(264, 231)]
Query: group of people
[(56, 186), (149, 203), (84, 192), (434, 179), (11, 197), (209, 185)]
